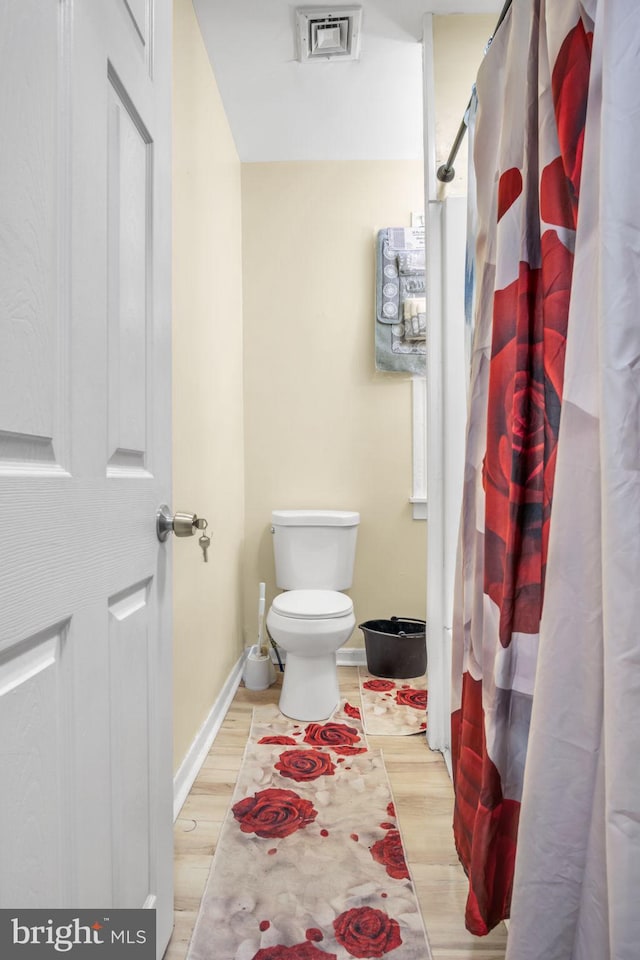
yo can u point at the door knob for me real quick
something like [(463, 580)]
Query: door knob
[(181, 523)]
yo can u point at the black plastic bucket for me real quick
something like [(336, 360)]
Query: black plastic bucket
[(396, 648)]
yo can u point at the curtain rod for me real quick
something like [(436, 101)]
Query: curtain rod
[(446, 172)]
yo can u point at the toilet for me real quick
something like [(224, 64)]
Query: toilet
[(314, 553)]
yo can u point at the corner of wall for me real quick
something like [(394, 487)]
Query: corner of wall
[(207, 383)]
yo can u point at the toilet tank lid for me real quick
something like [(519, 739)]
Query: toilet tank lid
[(315, 518)]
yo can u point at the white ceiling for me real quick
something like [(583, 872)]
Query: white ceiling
[(280, 109)]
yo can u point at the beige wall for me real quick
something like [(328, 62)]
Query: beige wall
[(322, 428), (459, 41), (207, 383)]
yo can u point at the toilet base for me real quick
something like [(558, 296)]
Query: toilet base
[(310, 687)]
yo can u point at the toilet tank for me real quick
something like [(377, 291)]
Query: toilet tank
[(314, 549)]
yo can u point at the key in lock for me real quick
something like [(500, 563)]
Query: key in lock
[(184, 524), (204, 542), (181, 523)]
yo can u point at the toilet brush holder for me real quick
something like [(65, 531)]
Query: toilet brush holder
[(259, 672)]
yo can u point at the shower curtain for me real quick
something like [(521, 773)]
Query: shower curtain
[(532, 99), (577, 881)]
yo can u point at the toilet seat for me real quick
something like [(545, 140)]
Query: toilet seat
[(313, 604)]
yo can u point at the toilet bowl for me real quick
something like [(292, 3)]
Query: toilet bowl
[(310, 626), (314, 552)]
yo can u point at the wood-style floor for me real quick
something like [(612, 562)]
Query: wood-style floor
[(424, 803)]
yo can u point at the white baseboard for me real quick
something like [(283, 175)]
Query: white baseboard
[(352, 657), (347, 657), (190, 766)]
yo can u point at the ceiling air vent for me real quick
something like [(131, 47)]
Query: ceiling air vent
[(328, 33)]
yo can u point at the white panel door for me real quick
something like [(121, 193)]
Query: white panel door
[(85, 414)]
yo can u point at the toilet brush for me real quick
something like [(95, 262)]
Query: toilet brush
[(263, 649), (258, 669)]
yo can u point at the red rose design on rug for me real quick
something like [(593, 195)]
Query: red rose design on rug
[(412, 698), (390, 853), (302, 765), (393, 707), (366, 932), (379, 685), (347, 751), (301, 951), (337, 736), (329, 891), (352, 711), (274, 813), (276, 740)]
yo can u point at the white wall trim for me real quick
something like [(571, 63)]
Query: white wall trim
[(429, 118), (420, 508), (439, 680), (346, 657), (419, 429), (195, 757), (447, 414), (446, 409), (352, 657)]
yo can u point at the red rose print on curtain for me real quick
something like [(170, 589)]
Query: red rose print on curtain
[(366, 932), (485, 824), (527, 314), (390, 853), (570, 85), (509, 189), (303, 765), (273, 813), (527, 366), (525, 383)]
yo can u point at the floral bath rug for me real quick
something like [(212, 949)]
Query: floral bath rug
[(393, 707), (310, 863)]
